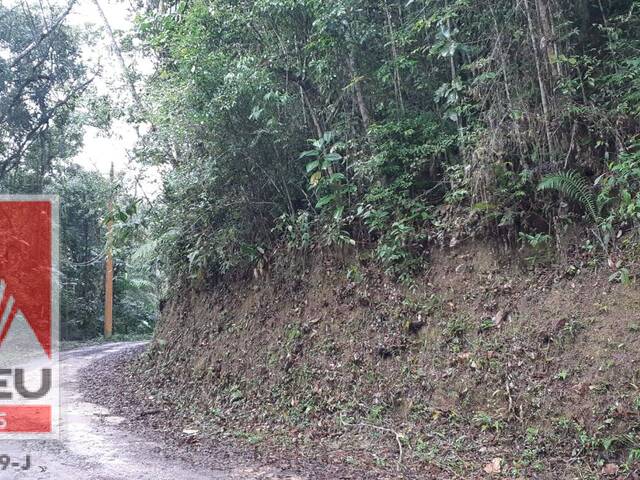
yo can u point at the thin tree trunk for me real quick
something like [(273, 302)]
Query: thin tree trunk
[(505, 77), (548, 36), (541, 84), (312, 114), (397, 84), (362, 106), (507, 92), (304, 107), (118, 53), (454, 74), (555, 45)]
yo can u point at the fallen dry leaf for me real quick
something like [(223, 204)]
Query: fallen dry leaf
[(610, 469), (464, 355), (500, 317), (493, 467)]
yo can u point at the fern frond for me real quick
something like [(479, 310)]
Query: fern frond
[(575, 187), (146, 251)]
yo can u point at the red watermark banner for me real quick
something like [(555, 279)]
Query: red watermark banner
[(21, 419), (29, 390)]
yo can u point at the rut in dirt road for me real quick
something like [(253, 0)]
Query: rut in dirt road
[(95, 446)]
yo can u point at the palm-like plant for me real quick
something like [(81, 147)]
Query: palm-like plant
[(574, 186)]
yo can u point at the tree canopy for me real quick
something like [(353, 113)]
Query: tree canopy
[(41, 79), (386, 125)]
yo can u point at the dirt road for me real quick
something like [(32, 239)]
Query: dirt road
[(94, 447)]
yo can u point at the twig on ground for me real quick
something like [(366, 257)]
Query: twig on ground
[(398, 436)]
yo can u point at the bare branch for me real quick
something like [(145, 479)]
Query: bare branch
[(46, 33), (13, 160), (118, 53)]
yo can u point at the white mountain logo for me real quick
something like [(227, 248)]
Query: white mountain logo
[(17, 339)]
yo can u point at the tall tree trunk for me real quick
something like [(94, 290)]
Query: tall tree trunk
[(541, 82), (454, 74), (397, 84), (549, 42), (312, 114), (118, 53), (357, 86), (503, 63)]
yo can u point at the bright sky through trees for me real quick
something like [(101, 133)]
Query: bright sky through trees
[(101, 148)]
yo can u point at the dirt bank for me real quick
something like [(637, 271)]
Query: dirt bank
[(111, 384), (481, 367)]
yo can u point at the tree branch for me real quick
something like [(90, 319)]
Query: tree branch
[(118, 53), (47, 32), (13, 160)]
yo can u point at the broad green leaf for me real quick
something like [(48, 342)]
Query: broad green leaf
[(332, 157), (309, 153), (336, 177), (311, 166), (325, 200)]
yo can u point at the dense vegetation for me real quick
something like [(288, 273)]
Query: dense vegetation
[(285, 125), (430, 121), (291, 130), (84, 198), (46, 99), (41, 80)]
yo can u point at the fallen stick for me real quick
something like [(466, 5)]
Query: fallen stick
[(397, 435)]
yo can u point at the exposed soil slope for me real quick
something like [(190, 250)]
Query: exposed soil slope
[(482, 368)]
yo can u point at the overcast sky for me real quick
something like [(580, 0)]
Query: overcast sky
[(101, 149)]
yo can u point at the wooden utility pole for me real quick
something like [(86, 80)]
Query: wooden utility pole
[(108, 281)]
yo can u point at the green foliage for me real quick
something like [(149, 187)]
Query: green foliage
[(403, 181), (39, 90), (329, 183), (536, 241), (296, 230), (432, 122), (84, 197), (539, 244), (575, 187), (487, 423), (624, 181), (45, 102)]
